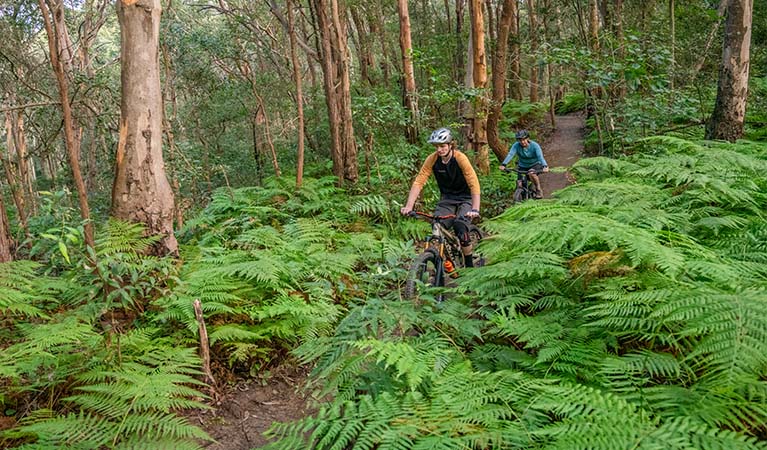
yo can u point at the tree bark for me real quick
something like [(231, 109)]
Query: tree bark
[(6, 243), (141, 192), (299, 96), (499, 79), (532, 16), (515, 91), (672, 24), (61, 54), (620, 39), (479, 68), (594, 25), (729, 114), (335, 69), (410, 101)]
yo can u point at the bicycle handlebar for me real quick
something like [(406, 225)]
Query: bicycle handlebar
[(523, 172), (430, 216)]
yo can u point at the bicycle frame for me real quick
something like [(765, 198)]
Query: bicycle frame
[(443, 246), (525, 190), (443, 240)]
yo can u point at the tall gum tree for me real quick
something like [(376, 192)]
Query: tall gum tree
[(729, 114), (141, 191)]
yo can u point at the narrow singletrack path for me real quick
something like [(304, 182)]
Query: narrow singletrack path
[(562, 149)]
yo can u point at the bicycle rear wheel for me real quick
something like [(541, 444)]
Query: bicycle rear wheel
[(426, 270)]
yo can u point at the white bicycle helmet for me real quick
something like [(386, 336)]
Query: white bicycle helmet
[(441, 136)]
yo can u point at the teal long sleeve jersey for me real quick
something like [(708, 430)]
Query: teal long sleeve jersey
[(528, 156)]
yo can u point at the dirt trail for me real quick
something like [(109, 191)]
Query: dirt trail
[(562, 149), (249, 408)]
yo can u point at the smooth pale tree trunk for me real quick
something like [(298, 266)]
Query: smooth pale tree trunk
[(406, 46), (729, 114), (479, 69), (299, 96), (499, 80), (141, 192), (60, 50)]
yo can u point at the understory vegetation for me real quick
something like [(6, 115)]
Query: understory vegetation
[(628, 312)]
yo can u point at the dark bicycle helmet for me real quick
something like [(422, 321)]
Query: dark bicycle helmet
[(441, 136), (522, 134)]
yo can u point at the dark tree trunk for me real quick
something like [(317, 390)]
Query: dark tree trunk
[(499, 80)]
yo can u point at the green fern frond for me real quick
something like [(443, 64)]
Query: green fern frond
[(124, 237), (372, 206), (18, 292), (415, 362), (670, 143)]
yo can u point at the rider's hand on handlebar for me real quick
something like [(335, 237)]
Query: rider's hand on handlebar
[(473, 213), (501, 168), (405, 211), (545, 169)]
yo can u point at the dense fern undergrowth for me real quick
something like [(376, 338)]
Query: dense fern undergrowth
[(628, 312)]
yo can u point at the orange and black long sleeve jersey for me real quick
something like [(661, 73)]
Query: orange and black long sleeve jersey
[(456, 179)]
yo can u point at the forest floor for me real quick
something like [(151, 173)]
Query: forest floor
[(243, 411)]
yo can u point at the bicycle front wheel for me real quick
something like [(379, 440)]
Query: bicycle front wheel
[(425, 271), (519, 195)]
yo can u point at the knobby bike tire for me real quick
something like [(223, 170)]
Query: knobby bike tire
[(519, 195), (424, 270)]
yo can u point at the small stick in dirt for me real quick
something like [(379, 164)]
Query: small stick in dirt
[(204, 346)]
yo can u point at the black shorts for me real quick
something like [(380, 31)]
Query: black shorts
[(538, 167)]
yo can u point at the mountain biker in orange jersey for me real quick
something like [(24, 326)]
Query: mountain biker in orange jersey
[(458, 186), (529, 158)]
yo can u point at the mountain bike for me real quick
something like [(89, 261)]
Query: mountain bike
[(527, 190), (442, 257)]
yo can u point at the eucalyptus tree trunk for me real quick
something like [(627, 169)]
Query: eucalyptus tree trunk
[(479, 69), (499, 79), (299, 96), (60, 48), (11, 176), (410, 101), (335, 68), (594, 25), (459, 50), (532, 16), (621, 42), (365, 47), (6, 243), (515, 56), (672, 25), (729, 114), (141, 192)]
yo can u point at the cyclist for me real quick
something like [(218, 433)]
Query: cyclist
[(458, 186), (529, 159)]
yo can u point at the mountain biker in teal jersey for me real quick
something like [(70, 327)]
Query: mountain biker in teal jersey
[(529, 159)]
